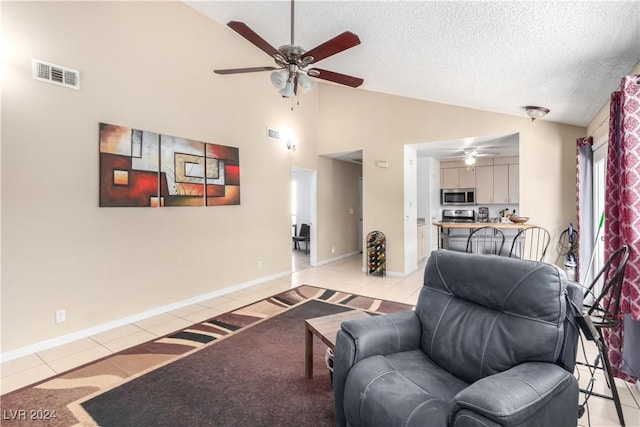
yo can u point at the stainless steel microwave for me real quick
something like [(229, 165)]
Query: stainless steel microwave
[(458, 196)]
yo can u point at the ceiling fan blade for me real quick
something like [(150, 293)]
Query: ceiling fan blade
[(246, 32), (245, 70), (337, 44), (332, 76)]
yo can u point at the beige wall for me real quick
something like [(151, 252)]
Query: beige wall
[(382, 124), (337, 196), (148, 66)]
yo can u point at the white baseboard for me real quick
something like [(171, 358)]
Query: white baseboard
[(338, 258), (390, 273), (74, 336), (364, 268)]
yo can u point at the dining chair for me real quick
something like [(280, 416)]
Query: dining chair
[(485, 240), (304, 236), (530, 243)]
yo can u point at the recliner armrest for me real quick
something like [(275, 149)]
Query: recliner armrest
[(368, 336), (544, 391), (390, 333)]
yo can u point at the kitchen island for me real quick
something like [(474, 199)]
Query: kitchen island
[(500, 225), (453, 234)]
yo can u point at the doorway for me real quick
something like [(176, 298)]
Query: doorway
[(303, 211)]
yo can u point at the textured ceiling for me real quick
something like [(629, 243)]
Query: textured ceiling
[(497, 56)]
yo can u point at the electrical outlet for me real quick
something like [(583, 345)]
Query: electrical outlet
[(61, 316), (259, 264)]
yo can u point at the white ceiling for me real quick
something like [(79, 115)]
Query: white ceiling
[(567, 56), (496, 56)]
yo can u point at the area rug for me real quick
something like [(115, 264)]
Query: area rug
[(242, 368)]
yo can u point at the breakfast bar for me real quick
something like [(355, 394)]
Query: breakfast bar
[(500, 225), (458, 239)]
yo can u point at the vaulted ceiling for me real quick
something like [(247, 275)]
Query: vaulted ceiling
[(567, 56)]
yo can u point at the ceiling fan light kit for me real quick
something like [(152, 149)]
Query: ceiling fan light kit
[(536, 112), (292, 60)]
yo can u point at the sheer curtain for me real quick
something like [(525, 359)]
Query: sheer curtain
[(584, 200), (622, 224)]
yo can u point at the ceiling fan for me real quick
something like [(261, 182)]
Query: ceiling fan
[(468, 155), (292, 60)]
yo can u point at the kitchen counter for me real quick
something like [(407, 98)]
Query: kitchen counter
[(454, 235), (500, 225)]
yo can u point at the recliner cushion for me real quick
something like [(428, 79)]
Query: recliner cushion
[(411, 386), (483, 314)]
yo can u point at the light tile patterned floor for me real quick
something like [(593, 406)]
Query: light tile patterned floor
[(344, 275)]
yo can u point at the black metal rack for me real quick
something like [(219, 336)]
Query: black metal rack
[(376, 253)]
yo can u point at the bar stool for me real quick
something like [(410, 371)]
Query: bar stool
[(485, 240)]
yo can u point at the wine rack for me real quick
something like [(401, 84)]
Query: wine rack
[(376, 253)]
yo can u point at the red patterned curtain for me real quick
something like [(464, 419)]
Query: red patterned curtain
[(622, 207)]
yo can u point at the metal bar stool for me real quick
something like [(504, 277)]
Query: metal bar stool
[(530, 243), (485, 240)]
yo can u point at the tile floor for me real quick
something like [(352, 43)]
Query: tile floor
[(344, 275)]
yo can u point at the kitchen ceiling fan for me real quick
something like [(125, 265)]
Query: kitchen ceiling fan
[(292, 60), (468, 155)]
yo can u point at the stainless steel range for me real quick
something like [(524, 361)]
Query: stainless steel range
[(455, 239), (458, 215)]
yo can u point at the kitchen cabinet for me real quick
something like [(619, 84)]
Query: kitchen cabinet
[(514, 183), (501, 184), (458, 178), (422, 240), (498, 184), (484, 184)]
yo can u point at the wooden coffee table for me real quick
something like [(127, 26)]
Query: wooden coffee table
[(326, 328)]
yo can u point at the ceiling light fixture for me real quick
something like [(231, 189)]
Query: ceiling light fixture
[(536, 112), (470, 160), (285, 81)]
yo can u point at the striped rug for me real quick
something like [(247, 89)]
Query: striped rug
[(78, 396)]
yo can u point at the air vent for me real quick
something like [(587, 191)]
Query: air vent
[(274, 134), (56, 74)]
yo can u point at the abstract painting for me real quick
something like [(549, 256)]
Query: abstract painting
[(146, 169)]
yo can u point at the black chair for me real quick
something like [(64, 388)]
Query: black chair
[(530, 243), (304, 236), (492, 342), (485, 240), (602, 311)]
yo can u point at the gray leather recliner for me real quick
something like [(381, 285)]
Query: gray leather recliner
[(492, 342)]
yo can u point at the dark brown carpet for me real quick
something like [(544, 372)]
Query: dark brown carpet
[(253, 378), (260, 381)]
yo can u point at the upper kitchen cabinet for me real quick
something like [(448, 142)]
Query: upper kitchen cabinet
[(499, 183), (514, 183), (484, 184), (454, 176)]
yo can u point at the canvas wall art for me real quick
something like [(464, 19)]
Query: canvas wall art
[(146, 169)]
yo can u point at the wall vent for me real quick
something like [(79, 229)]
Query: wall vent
[(56, 74), (274, 134)]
